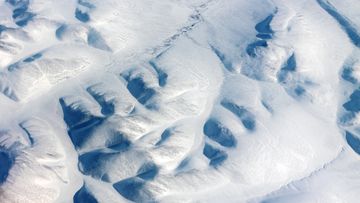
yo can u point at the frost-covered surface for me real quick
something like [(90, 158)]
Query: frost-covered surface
[(179, 101)]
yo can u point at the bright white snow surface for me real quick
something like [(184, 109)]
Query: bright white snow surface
[(179, 101)]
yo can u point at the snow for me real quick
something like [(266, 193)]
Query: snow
[(179, 101)]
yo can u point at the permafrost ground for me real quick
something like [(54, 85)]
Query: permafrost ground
[(179, 101)]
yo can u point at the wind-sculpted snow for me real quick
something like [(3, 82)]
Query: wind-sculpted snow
[(25, 167), (179, 101), (288, 68), (22, 79), (246, 117), (264, 29), (264, 33), (219, 133), (20, 14), (161, 74), (216, 156), (342, 20), (226, 62), (83, 34), (138, 89), (353, 141)]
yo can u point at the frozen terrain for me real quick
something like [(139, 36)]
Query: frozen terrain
[(109, 101)]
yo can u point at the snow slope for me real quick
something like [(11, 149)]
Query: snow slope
[(179, 101)]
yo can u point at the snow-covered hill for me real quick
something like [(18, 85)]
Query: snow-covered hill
[(179, 101)]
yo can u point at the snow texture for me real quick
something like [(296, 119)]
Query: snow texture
[(108, 101)]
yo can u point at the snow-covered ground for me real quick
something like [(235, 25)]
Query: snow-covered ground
[(179, 101)]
